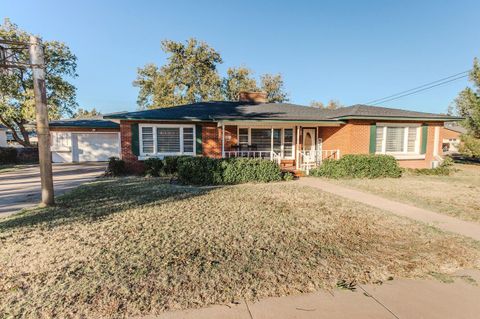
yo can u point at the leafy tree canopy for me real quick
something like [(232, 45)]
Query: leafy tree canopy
[(331, 105), (468, 102), (85, 114), (238, 80), (191, 75), (17, 106)]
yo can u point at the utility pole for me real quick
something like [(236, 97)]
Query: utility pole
[(37, 62)]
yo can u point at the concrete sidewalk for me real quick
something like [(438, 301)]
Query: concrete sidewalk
[(402, 298), (441, 221)]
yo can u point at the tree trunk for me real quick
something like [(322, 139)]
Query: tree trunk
[(26, 138), (25, 142)]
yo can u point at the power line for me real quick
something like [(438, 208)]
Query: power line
[(421, 88)]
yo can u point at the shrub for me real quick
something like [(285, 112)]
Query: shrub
[(209, 171), (8, 155), (199, 170), (445, 168), (116, 167), (288, 176), (244, 170), (359, 166), (470, 146), (153, 167), (170, 164)]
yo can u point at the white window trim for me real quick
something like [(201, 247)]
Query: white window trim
[(271, 128), (144, 156), (404, 154)]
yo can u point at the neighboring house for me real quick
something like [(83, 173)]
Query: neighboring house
[(297, 137), (3, 136), (451, 137), (84, 140)]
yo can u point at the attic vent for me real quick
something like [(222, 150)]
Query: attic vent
[(253, 97)]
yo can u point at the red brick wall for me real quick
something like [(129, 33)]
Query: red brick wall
[(212, 139), (131, 160), (450, 134)]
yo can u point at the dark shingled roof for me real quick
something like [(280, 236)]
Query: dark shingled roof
[(368, 111), (222, 110), (84, 123)]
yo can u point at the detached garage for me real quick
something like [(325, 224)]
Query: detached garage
[(89, 140)]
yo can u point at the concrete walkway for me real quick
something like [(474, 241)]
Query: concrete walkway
[(394, 299), (21, 188), (441, 221)]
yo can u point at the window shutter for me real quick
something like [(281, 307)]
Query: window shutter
[(373, 138), (135, 139), (198, 136), (423, 149)]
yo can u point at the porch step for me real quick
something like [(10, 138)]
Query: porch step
[(291, 169)]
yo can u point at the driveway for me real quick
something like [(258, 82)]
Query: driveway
[(21, 188)]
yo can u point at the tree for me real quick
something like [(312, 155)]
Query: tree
[(85, 114), (274, 87), (237, 80), (17, 105), (468, 102), (189, 76), (317, 104), (331, 105)]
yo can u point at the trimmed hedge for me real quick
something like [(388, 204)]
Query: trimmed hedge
[(210, 171), (116, 167), (359, 166), (8, 155), (444, 169), (244, 170), (154, 167)]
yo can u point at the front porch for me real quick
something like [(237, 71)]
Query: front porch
[(293, 147)]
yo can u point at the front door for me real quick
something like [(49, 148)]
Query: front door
[(309, 145)]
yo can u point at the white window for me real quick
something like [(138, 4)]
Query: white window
[(147, 140), (398, 139), (288, 142), (167, 139), (188, 142), (243, 136), (263, 139)]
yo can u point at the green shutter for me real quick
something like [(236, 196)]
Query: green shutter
[(198, 135), (424, 139), (373, 138), (135, 139)]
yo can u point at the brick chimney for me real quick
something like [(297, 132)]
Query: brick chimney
[(253, 97)]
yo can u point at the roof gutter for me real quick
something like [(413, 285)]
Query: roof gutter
[(401, 118)]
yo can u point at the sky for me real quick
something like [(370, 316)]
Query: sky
[(351, 51)]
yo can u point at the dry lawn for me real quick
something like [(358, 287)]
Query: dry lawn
[(457, 195), (138, 246)]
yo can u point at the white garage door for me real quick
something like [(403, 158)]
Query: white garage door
[(89, 147)]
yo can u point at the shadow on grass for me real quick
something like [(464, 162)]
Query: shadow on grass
[(102, 198)]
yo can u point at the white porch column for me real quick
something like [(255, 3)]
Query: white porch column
[(271, 143), (297, 148), (223, 140)]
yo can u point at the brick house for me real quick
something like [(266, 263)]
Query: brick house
[(297, 137), (451, 138)]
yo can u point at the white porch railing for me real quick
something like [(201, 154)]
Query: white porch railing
[(310, 159), (268, 155)]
